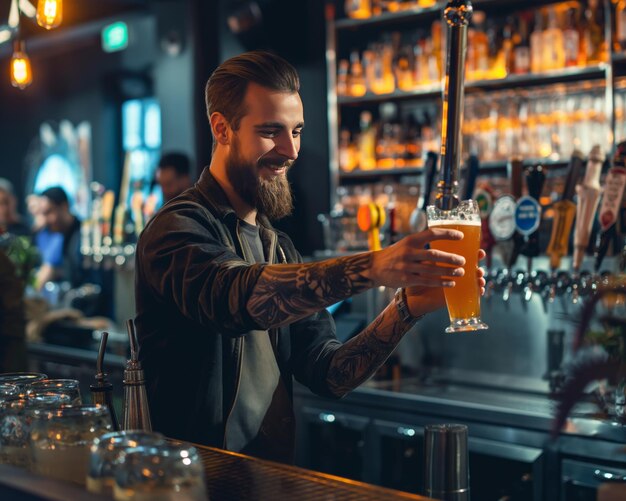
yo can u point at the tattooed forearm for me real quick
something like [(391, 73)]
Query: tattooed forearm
[(288, 292), (360, 357)]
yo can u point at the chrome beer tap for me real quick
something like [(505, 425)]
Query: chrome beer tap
[(457, 15)]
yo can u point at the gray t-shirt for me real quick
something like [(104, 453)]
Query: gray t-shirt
[(261, 423)]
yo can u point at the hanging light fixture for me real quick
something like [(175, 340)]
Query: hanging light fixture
[(49, 13), (21, 72)]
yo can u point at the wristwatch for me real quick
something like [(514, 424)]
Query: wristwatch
[(403, 308)]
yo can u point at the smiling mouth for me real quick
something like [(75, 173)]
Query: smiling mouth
[(276, 169)]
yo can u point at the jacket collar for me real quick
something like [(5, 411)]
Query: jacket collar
[(213, 193)]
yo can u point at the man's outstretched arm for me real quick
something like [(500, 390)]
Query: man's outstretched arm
[(285, 293)]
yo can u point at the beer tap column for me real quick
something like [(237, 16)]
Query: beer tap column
[(564, 212), (457, 15)]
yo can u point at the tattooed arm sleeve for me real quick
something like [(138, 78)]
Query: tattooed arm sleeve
[(359, 358), (288, 292)]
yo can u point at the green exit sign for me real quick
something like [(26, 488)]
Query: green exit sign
[(115, 37)]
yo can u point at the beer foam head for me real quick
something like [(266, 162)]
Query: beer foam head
[(453, 222)]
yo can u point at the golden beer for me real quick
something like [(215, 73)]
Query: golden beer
[(463, 300)]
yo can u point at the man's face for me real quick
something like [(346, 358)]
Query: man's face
[(5, 208), (53, 214), (263, 149), (170, 182)]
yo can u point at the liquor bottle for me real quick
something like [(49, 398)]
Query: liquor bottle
[(553, 44), (347, 154), (481, 47), (508, 46), (437, 35), (536, 44), (620, 26), (367, 142), (413, 149), (357, 78), (343, 78), (571, 39), (495, 53), (403, 70), (383, 82), (522, 50), (358, 9), (369, 69), (433, 63), (594, 34)]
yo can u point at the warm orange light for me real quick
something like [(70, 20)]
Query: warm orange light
[(49, 13), (21, 73)]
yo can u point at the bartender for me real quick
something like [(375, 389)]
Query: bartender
[(227, 313)]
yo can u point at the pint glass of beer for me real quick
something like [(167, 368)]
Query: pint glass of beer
[(463, 299)]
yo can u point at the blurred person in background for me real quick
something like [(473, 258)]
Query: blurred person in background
[(57, 218), (10, 221), (173, 175), (49, 243)]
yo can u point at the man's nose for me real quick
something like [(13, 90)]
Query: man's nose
[(288, 147)]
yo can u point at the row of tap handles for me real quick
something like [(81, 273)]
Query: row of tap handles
[(513, 220)]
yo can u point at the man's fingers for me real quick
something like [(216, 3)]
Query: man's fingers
[(481, 254), (437, 233), (437, 256), (431, 270)]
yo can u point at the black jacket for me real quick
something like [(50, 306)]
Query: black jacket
[(191, 289)]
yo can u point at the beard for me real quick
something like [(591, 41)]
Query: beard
[(272, 197)]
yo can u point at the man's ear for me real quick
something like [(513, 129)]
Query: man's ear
[(220, 128)]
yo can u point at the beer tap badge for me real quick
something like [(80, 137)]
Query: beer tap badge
[(613, 188), (502, 218), (527, 215)]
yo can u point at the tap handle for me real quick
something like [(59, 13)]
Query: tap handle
[(100, 359), (457, 15), (473, 167), (535, 178), (132, 337)]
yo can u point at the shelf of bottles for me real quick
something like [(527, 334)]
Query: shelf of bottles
[(535, 86)]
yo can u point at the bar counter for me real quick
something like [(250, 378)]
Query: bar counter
[(229, 476)]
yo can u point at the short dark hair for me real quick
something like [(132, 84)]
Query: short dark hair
[(177, 161), (56, 195), (227, 86)]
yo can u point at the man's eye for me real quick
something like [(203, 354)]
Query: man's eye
[(297, 133), (269, 132)]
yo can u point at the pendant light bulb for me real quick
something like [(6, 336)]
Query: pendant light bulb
[(49, 13), (21, 72)]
